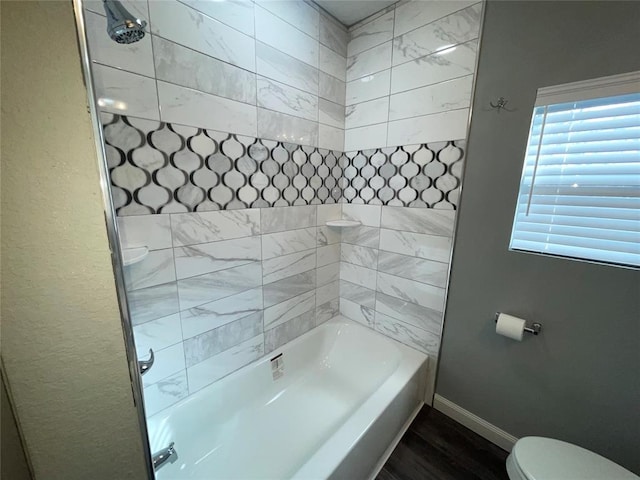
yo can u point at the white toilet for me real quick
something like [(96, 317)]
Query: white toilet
[(538, 458)]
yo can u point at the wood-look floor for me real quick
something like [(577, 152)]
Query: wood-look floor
[(438, 448)]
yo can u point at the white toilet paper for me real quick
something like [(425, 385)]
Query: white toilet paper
[(509, 326)]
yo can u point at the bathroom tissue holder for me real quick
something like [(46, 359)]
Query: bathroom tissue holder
[(535, 327)]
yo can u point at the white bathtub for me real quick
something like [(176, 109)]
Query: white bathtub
[(345, 395)]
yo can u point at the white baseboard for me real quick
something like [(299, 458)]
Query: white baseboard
[(395, 442), (483, 428)]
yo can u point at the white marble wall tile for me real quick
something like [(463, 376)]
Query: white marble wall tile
[(284, 266), (327, 311), (165, 393), (328, 235), (157, 334), (210, 257), (369, 62), (444, 65), (357, 255), (214, 314), (328, 212), (182, 24), (328, 292), (139, 8), (332, 63), (154, 269), (192, 107), (362, 138), (289, 309), (429, 128), (235, 13), (421, 270), (218, 366), (279, 66), (284, 99), (419, 220), (153, 302), (357, 313), (193, 228), (189, 68), (151, 231), (296, 13), (278, 336), (331, 138), (367, 113), (423, 317), (358, 294), (364, 236), (371, 34), (125, 93), (206, 288), (286, 38), (208, 344), (410, 291), (414, 14), (282, 290), (135, 57), (290, 241), (410, 335), (331, 88), (430, 247), (441, 97), (331, 114), (327, 274), (333, 35), (278, 219), (166, 362), (452, 30), (368, 87), (286, 128), (328, 254), (365, 277), (367, 215)]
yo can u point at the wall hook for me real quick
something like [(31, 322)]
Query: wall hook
[(501, 104)]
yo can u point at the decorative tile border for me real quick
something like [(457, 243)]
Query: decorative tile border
[(426, 175), (159, 167)]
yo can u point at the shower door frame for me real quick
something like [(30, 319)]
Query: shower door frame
[(113, 237)]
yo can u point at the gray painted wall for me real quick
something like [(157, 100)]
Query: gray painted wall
[(580, 380)]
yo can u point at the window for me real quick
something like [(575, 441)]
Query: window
[(580, 189)]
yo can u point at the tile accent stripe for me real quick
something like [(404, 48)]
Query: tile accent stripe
[(157, 167)]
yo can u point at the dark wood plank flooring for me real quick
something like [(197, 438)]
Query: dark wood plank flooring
[(438, 448)]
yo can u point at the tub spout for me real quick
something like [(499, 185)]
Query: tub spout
[(145, 365), (165, 455)]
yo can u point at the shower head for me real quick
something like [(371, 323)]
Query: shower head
[(123, 27)]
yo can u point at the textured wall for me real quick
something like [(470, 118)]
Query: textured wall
[(62, 342), (272, 69), (13, 462), (578, 381), (410, 74)]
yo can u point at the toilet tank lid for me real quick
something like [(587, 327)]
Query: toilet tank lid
[(542, 458)]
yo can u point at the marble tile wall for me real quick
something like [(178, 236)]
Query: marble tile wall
[(410, 74), (221, 289), (394, 272), (272, 69)]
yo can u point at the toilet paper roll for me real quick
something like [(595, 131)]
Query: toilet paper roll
[(509, 326)]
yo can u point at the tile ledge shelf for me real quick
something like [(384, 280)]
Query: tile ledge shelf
[(342, 223), (134, 255)]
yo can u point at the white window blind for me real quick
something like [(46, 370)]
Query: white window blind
[(579, 194)]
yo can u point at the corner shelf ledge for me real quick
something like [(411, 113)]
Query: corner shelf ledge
[(343, 223), (134, 255)]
